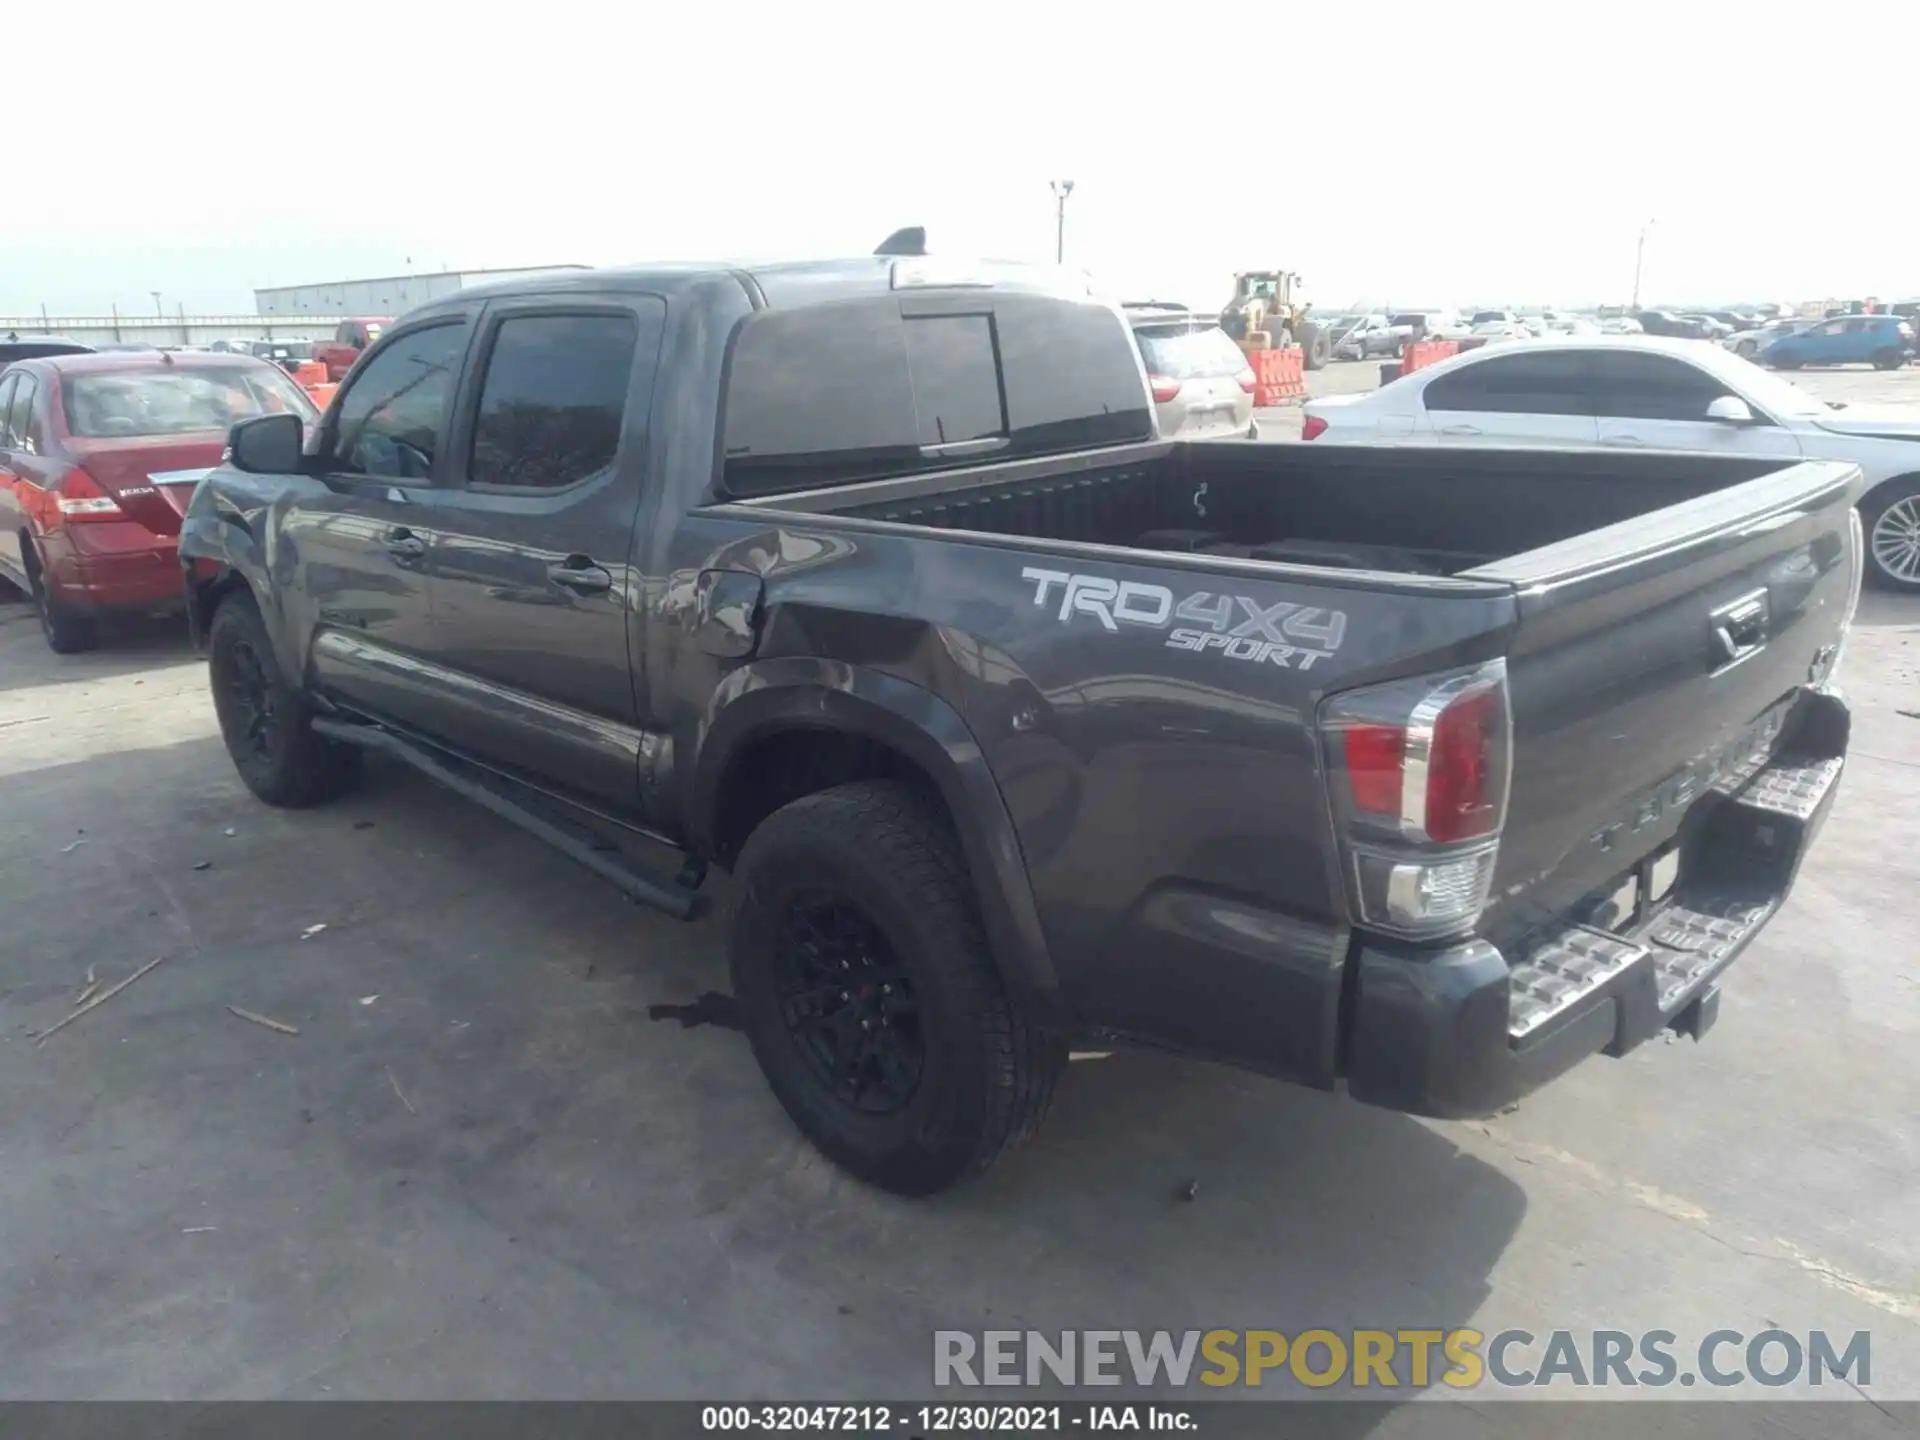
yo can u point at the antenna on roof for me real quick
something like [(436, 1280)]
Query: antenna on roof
[(909, 240)]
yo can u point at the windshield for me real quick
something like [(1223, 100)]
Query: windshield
[(1483, 317), (1198, 355), (164, 401), (284, 349), (1762, 387)]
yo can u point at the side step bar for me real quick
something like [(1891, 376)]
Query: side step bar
[(675, 896)]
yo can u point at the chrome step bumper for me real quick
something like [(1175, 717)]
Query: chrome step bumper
[(1672, 955)]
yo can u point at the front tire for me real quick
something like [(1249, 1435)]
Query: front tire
[(870, 995), (266, 723), (1891, 523)]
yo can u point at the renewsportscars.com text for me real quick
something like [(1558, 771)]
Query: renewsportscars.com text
[(1401, 1359)]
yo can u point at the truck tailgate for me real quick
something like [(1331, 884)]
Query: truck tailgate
[(1652, 661)]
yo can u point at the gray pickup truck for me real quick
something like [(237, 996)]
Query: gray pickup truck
[(1423, 773)]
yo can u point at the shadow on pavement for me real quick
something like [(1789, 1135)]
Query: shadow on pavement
[(126, 645), (479, 1171)]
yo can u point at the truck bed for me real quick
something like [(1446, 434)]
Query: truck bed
[(1602, 577), (1350, 508)]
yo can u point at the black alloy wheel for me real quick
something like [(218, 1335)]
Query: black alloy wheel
[(848, 1002), (250, 700)]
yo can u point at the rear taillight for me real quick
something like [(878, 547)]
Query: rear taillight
[(1163, 388), (1312, 428), (1418, 772), (81, 498), (1247, 382)]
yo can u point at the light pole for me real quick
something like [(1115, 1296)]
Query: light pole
[(1061, 190), (1639, 258), (156, 303)]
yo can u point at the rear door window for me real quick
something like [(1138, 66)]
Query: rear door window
[(553, 400), (1542, 382)]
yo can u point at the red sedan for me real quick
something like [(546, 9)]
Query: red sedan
[(99, 455)]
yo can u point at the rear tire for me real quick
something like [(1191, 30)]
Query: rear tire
[(944, 1073), (1888, 360), (1891, 523), (67, 633), (266, 723), (1318, 349)]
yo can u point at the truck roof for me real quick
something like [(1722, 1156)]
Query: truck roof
[(790, 283)]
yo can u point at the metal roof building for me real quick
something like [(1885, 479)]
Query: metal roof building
[(387, 295)]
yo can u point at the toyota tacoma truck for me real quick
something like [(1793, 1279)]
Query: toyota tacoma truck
[(1421, 774)]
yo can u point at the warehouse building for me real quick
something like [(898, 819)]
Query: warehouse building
[(391, 295)]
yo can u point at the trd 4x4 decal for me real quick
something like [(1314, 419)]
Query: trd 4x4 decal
[(1237, 626)]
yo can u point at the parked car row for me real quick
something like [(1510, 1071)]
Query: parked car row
[(1644, 393)]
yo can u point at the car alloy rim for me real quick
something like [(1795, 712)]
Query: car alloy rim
[(256, 719), (1896, 539), (847, 1002)]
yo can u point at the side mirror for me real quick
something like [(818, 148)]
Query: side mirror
[(266, 445), (1730, 410)]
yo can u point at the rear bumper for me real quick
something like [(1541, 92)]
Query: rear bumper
[(114, 567), (1468, 1029)]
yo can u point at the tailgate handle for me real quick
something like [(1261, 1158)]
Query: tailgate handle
[(1740, 628)]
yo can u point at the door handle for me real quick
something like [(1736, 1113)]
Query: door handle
[(580, 575), (403, 544), (1627, 440), (1460, 430)]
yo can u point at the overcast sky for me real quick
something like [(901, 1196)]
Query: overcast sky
[(1427, 153)]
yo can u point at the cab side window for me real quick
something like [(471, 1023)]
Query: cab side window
[(393, 414), (22, 433), (553, 399)]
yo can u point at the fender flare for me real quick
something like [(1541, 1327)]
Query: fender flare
[(232, 545), (768, 696)]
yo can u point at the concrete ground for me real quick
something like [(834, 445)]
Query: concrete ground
[(480, 1169)]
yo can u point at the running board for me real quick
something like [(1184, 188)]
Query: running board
[(503, 798)]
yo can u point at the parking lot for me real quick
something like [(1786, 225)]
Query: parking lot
[(484, 1166)]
